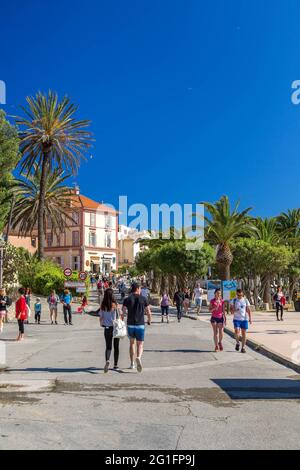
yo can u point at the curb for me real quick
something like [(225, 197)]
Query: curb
[(260, 348)]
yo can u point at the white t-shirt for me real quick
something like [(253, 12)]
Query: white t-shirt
[(198, 292), (240, 308)]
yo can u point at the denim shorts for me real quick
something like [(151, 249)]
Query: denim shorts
[(136, 332), (242, 324), (198, 302)]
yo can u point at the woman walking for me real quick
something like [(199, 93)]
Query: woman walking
[(28, 301), (4, 303), (108, 313), (186, 302), (218, 319), (164, 305), (53, 300), (66, 300), (280, 301), (21, 312)]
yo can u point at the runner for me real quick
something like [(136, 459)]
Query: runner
[(66, 300), (198, 292), (4, 303), (107, 314), (136, 306), (178, 301), (37, 310), (280, 301), (240, 307), (164, 305), (21, 312), (218, 319), (53, 300)]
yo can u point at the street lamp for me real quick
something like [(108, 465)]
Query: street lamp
[(2, 248)]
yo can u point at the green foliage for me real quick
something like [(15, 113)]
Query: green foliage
[(48, 276), (9, 156)]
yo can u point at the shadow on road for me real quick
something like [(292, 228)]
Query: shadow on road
[(179, 350), (257, 389)]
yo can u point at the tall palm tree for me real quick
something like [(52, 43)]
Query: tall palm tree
[(223, 225), (50, 137), (267, 230), (289, 223), (25, 212)]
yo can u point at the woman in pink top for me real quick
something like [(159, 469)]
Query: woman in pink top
[(218, 318)]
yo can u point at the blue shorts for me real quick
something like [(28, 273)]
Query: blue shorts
[(136, 332), (243, 324), (198, 302)]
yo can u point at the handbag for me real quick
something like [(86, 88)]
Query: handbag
[(119, 327)]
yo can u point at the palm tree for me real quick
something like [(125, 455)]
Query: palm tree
[(267, 230), (222, 227), (50, 137), (25, 212), (289, 223)]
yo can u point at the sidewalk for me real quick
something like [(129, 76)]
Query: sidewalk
[(279, 340)]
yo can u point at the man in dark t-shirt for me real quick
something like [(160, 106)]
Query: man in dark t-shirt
[(136, 306)]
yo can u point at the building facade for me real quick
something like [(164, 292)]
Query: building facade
[(90, 240), (129, 247)]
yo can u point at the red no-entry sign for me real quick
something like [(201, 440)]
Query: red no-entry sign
[(68, 272)]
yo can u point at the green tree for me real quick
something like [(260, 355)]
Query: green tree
[(9, 156), (51, 137), (223, 226), (56, 207)]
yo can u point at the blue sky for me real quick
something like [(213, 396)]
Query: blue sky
[(188, 100)]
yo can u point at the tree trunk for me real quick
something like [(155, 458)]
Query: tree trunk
[(224, 259), (41, 229), (266, 282)]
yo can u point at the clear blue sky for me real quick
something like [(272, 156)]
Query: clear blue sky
[(189, 100)]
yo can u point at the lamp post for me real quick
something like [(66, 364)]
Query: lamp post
[(2, 247)]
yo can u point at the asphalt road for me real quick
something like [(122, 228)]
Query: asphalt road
[(56, 396)]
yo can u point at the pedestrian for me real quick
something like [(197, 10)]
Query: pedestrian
[(4, 303), (218, 319), (136, 306), (280, 301), (164, 305), (66, 300), (21, 312), (28, 301), (198, 293), (178, 301), (109, 311), (37, 310), (123, 289), (240, 307), (53, 300), (186, 301), (145, 292)]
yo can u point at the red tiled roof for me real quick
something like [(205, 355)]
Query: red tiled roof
[(87, 203)]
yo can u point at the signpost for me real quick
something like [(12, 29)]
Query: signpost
[(68, 272), (229, 289), (74, 284), (211, 287)]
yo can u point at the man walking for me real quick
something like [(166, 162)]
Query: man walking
[(198, 292), (136, 306), (178, 301), (240, 307)]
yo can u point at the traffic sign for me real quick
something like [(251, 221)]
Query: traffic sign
[(82, 276), (74, 284), (68, 272)]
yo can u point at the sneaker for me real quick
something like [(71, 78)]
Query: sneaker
[(243, 350), (56, 323), (71, 323), (52, 323), (139, 366), (237, 346), (221, 346), (106, 367), (66, 324), (132, 366), (116, 368)]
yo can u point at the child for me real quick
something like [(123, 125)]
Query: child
[(84, 303), (37, 310)]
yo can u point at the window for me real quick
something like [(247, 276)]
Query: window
[(75, 218), (75, 238), (58, 240), (49, 239), (93, 220), (108, 240), (75, 263), (108, 221), (58, 260), (33, 242), (92, 239)]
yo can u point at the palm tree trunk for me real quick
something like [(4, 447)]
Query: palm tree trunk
[(41, 229)]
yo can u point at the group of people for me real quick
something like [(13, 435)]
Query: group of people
[(182, 300)]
